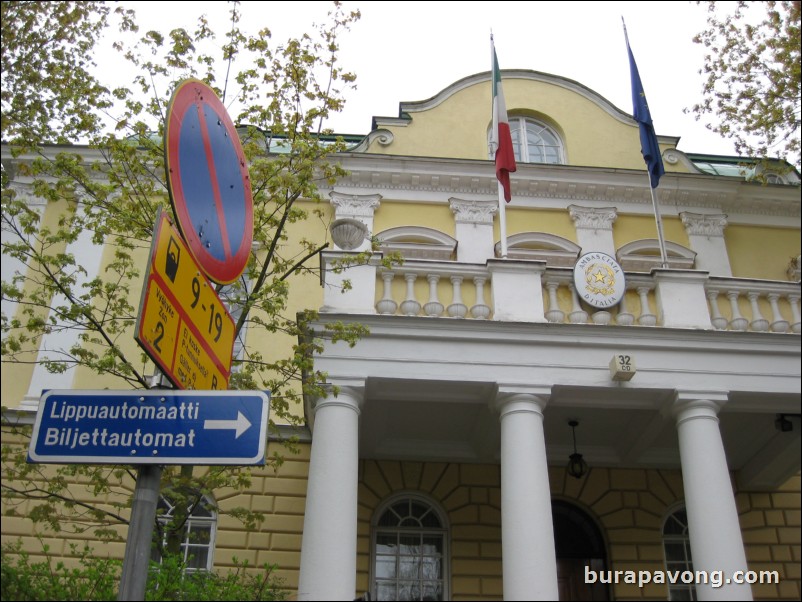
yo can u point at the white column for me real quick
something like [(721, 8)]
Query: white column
[(529, 561), (328, 547), (714, 530)]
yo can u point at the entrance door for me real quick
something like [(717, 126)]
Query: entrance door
[(579, 544)]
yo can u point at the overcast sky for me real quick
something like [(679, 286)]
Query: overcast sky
[(409, 51)]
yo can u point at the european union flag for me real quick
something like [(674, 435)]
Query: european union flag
[(640, 111)]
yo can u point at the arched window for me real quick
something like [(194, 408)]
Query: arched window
[(535, 142), (677, 547), (195, 530), (409, 554)]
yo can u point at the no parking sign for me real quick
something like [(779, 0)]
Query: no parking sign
[(207, 176)]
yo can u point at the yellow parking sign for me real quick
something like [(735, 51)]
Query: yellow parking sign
[(182, 324)]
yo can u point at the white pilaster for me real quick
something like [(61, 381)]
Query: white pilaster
[(706, 237), (594, 228), (328, 547), (474, 229), (52, 345), (715, 533), (529, 561), (11, 266)]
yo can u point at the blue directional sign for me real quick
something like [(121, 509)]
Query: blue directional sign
[(153, 426)]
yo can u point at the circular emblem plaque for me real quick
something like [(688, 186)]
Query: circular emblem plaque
[(599, 280)]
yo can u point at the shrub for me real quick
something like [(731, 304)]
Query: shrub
[(50, 579), (96, 578)]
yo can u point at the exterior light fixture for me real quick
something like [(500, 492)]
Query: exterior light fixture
[(577, 467), (348, 233)]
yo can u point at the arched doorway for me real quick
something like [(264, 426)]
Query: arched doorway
[(579, 544)]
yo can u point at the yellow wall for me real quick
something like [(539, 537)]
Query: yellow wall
[(628, 505), (761, 252), (457, 127), (629, 228), (553, 221), (770, 522), (393, 213)]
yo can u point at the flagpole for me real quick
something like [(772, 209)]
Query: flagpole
[(659, 221), (649, 146), (502, 220), (495, 145)]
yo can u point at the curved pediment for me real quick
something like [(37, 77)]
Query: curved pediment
[(555, 250), (418, 242), (406, 110), (643, 255), (454, 123)]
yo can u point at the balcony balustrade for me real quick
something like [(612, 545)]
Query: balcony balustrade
[(520, 290)]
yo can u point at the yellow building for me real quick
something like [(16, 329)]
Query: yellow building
[(437, 468)]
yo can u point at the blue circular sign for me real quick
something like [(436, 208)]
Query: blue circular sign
[(208, 182)]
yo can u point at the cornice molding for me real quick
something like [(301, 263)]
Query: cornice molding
[(438, 180)]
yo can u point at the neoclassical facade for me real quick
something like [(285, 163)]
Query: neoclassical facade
[(436, 466)]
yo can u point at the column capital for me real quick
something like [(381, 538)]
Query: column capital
[(521, 398), (592, 218), (690, 404), (473, 212), (354, 205), (349, 394), (703, 224)]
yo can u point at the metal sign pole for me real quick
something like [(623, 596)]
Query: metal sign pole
[(140, 533), (136, 561)]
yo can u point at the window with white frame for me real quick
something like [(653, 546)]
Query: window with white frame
[(677, 547), (535, 142), (195, 530), (409, 552)]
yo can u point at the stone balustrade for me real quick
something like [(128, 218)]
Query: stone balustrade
[(521, 290), (635, 308), (747, 304), (455, 276)]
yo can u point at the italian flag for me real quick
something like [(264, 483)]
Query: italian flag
[(500, 139)]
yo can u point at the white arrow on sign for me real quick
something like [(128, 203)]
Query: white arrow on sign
[(240, 425)]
